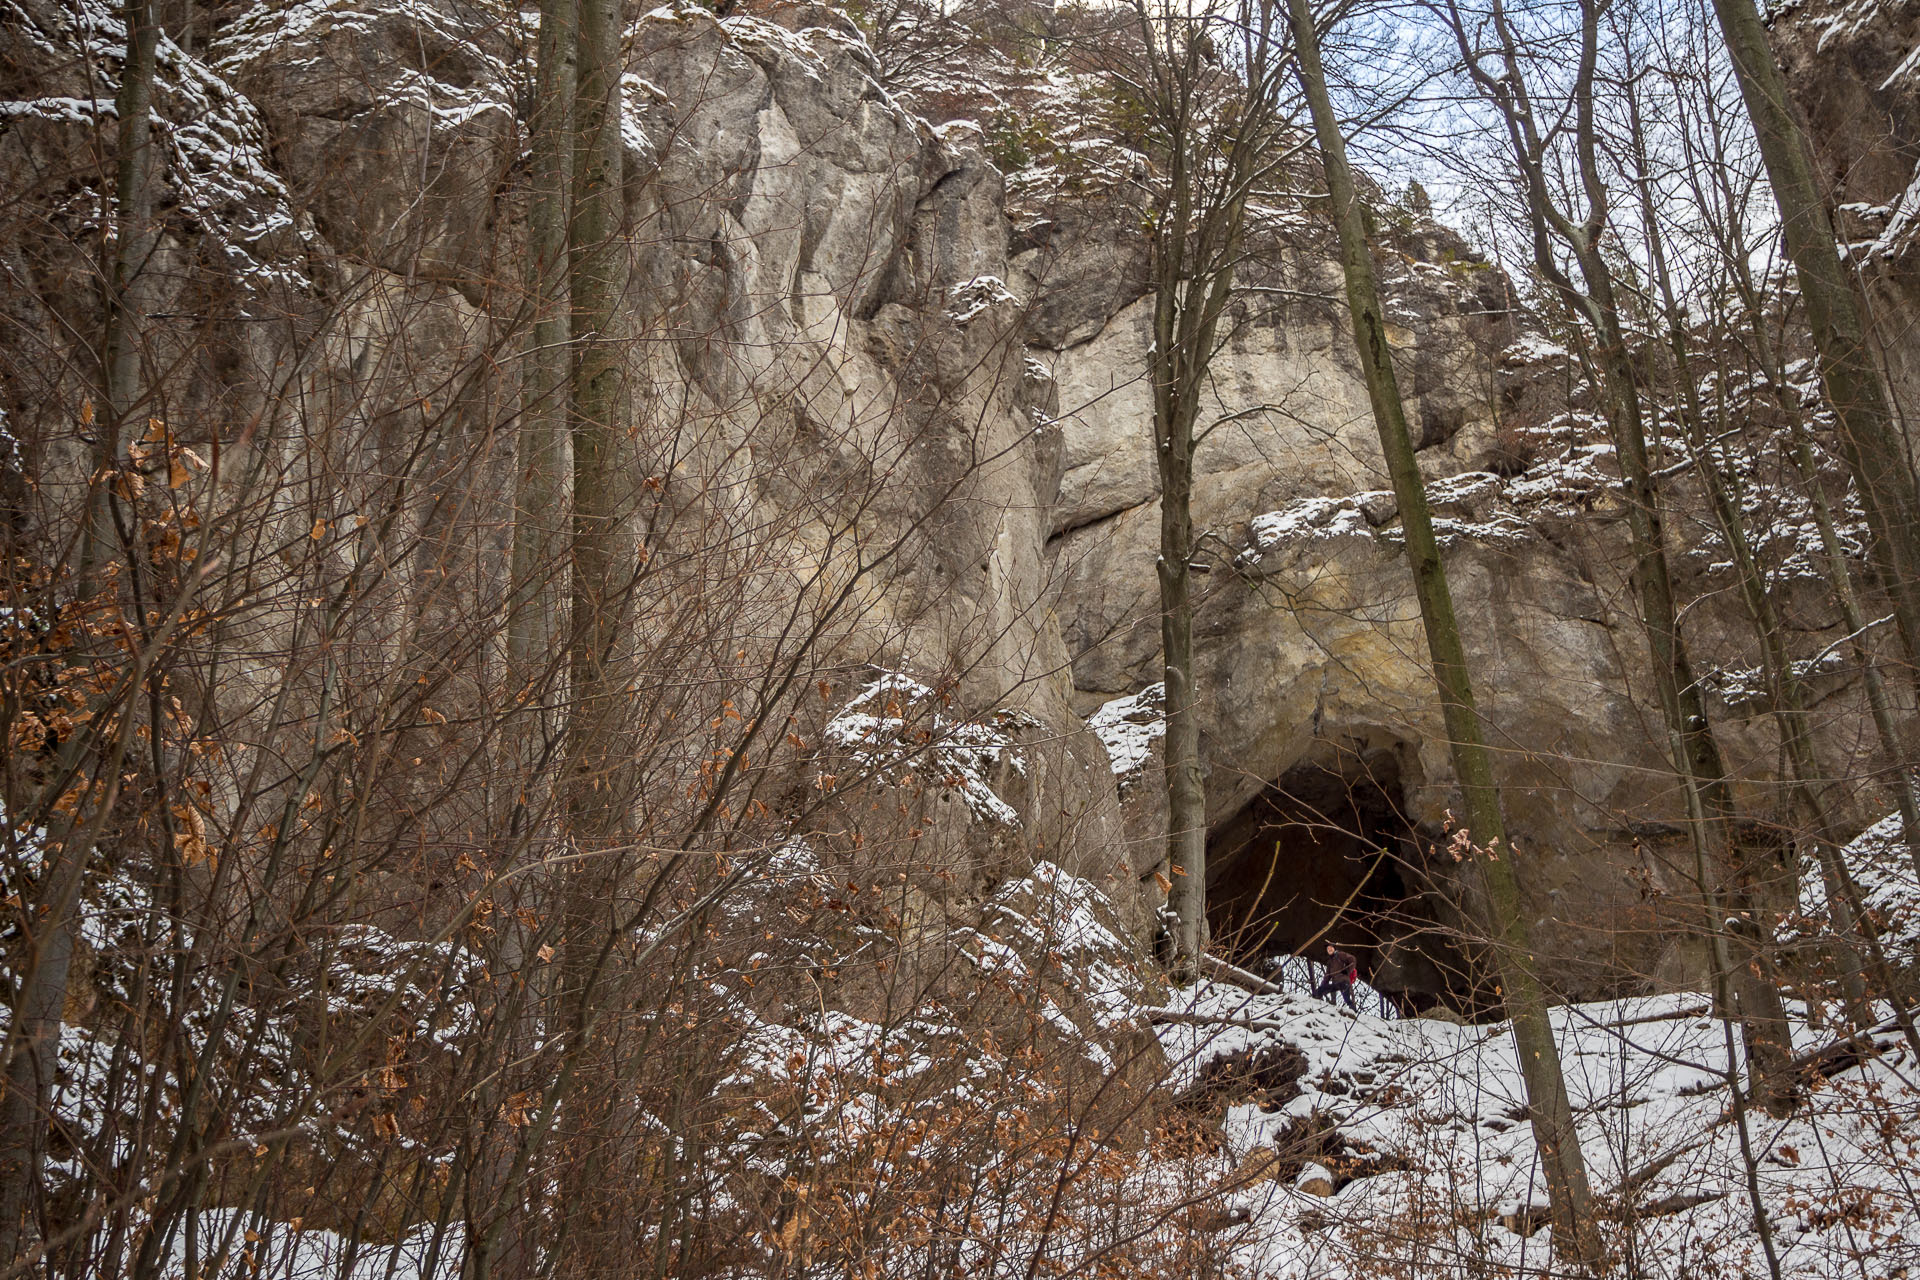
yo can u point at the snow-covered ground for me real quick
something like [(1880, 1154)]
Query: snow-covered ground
[(1889, 883), (1435, 1171), (1330, 1145), (280, 1251)]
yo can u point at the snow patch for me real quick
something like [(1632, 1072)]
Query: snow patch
[(1129, 727), (895, 730), (970, 298), (1300, 521)]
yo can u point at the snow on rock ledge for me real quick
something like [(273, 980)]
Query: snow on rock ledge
[(894, 730), (1129, 727)]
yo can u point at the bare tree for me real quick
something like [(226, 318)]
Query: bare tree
[(1576, 1234), (1491, 52), (1208, 84)]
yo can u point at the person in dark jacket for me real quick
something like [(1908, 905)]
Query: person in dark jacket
[(1342, 972)]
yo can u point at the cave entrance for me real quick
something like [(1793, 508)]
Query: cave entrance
[(1327, 841)]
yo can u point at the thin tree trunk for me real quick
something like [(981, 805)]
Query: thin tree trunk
[(1221, 144), (1173, 441), (540, 532), (499, 1233), (38, 1006), (1576, 1230), (34, 1040), (1874, 447), (604, 546), (599, 783), (1198, 242), (1186, 789), (133, 240)]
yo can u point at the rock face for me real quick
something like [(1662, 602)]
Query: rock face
[(858, 386), (1310, 650), (1849, 65), (1319, 706), (1290, 373), (830, 404)]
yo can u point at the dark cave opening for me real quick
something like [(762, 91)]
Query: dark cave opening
[(1323, 842)]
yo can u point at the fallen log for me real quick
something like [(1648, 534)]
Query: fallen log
[(1165, 1017), (1214, 966), (1850, 1050), (1645, 1019)]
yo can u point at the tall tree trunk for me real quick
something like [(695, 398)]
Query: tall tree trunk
[(1219, 131), (1186, 788), (1874, 447), (1171, 369), (499, 1231), (1576, 1230), (599, 781), (540, 532), (1191, 297), (604, 547), (38, 1005), (133, 240)]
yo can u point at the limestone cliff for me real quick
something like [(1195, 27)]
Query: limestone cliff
[(1312, 659), (870, 378)]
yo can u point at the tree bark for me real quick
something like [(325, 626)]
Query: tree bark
[(133, 240), (599, 785), (545, 450), (1186, 788), (604, 547), (1576, 1230), (499, 1232)]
